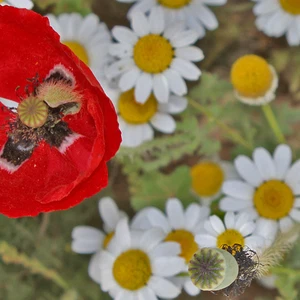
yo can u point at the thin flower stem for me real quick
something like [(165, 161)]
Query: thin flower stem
[(234, 135), (273, 123)]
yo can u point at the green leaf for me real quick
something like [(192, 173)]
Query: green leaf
[(210, 89), (153, 189)]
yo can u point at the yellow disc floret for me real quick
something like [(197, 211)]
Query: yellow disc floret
[(251, 76), (107, 239), (186, 241), (153, 53), (230, 237), (207, 178), (79, 50), (291, 6), (273, 199), (175, 4), (132, 269), (136, 113)]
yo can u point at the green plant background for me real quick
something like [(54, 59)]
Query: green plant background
[(36, 261)]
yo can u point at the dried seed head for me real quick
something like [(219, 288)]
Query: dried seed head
[(212, 269), (33, 112)]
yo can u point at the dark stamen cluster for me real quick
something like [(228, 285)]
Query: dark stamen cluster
[(247, 270)]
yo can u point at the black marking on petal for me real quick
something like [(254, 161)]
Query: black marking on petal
[(17, 151), (60, 73)]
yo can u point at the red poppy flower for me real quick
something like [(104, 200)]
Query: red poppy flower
[(55, 145)]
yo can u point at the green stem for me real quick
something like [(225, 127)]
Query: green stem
[(273, 123), (234, 135)]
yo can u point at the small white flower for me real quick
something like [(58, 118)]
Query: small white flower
[(268, 191), (179, 226), (236, 229), (208, 177), (254, 80), (137, 120), (153, 57), (136, 265), (87, 37), (89, 240), (18, 3), (194, 13), (279, 17)]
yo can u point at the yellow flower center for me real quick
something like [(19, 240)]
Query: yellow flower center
[(251, 76), (273, 199), (291, 6), (136, 113), (186, 241), (107, 239), (153, 53), (132, 269), (230, 237), (78, 50), (174, 3), (207, 178)]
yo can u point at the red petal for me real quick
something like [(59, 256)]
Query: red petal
[(50, 179)]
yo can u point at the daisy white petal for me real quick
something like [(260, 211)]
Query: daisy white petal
[(295, 214), (232, 204), (264, 163), (190, 288), (151, 238), (285, 224), (175, 213), (167, 266), (186, 69), (217, 224), (207, 17), (158, 219), (190, 53), (161, 88), (156, 20), (229, 220), (163, 122), (93, 269), (128, 80), (176, 84), (163, 288), (124, 35), (205, 240), (122, 234), (184, 38), (282, 159), (175, 105), (146, 294), (165, 249), (247, 170), (191, 216), (105, 260), (140, 24), (143, 87), (238, 189)]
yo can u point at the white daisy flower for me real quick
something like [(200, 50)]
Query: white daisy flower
[(137, 120), (194, 13), (254, 80), (153, 58), (89, 240), (180, 226), (87, 37), (18, 3), (279, 17), (236, 229), (136, 265), (208, 177), (268, 190)]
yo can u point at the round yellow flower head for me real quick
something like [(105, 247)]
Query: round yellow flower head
[(254, 80)]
